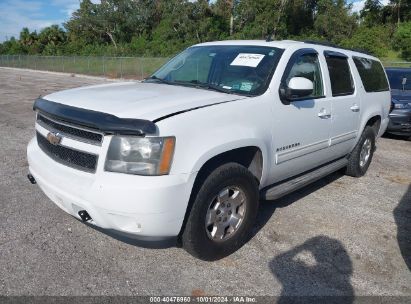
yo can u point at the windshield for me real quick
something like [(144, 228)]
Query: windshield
[(244, 70), (400, 80)]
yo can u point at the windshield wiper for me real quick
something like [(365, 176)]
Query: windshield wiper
[(154, 77), (206, 86), (193, 83)]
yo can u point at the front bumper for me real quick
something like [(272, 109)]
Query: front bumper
[(147, 208), (400, 122)]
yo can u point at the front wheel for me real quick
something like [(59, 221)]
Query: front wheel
[(360, 158), (223, 213)]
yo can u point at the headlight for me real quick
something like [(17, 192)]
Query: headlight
[(140, 155), (401, 105)]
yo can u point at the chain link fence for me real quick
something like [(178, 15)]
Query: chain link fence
[(110, 67), (397, 64)]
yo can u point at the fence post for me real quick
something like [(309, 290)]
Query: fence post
[(121, 67), (142, 67)]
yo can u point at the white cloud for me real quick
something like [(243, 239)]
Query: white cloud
[(66, 7), (357, 6), (16, 14), (69, 6)]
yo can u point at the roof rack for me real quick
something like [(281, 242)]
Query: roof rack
[(330, 44)]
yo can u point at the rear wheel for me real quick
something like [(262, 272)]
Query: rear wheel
[(360, 158), (223, 213)]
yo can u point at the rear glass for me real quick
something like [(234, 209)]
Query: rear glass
[(372, 74), (399, 79), (340, 75)]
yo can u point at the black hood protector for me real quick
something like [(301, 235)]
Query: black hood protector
[(106, 123)]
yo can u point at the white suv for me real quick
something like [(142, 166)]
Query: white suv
[(186, 155)]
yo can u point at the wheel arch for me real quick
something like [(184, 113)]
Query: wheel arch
[(251, 157), (373, 121)]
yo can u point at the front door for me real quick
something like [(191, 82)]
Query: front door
[(302, 128)]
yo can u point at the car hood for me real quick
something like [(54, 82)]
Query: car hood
[(139, 99), (400, 95)]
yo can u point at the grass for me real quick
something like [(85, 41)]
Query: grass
[(393, 59)]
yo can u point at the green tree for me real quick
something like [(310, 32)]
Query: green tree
[(371, 14), (375, 40), (13, 47), (401, 11), (83, 26), (53, 35), (259, 19), (402, 40), (333, 21), (224, 9), (299, 17), (165, 27), (30, 42)]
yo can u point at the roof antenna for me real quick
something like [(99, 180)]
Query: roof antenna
[(270, 36)]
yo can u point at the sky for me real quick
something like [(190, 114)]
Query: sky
[(37, 14)]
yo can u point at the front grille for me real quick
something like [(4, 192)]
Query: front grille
[(69, 157), (70, 131)]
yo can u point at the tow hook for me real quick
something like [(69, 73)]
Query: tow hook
[(84, 215), (31, 179)]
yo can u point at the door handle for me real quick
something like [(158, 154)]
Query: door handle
[(355, 108), (323, 114)]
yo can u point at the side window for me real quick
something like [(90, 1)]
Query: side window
[(340, 75), (372, 74), (308, 66)]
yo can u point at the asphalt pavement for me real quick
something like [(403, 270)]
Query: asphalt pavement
[(338, 236)]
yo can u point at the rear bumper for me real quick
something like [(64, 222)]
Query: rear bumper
[(135, 207), (400, 122)]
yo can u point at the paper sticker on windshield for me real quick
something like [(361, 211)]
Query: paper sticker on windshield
[(246, 86), (250, 60)]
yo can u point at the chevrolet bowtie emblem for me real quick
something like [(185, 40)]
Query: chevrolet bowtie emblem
[(54, 138)]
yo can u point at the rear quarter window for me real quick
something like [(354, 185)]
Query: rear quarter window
[(372, 74)]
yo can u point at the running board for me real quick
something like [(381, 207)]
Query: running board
[(283, 188)]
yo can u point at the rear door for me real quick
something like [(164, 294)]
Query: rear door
[(345, 103)]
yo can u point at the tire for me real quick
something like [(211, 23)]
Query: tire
[(356, 166), (230, 182)]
